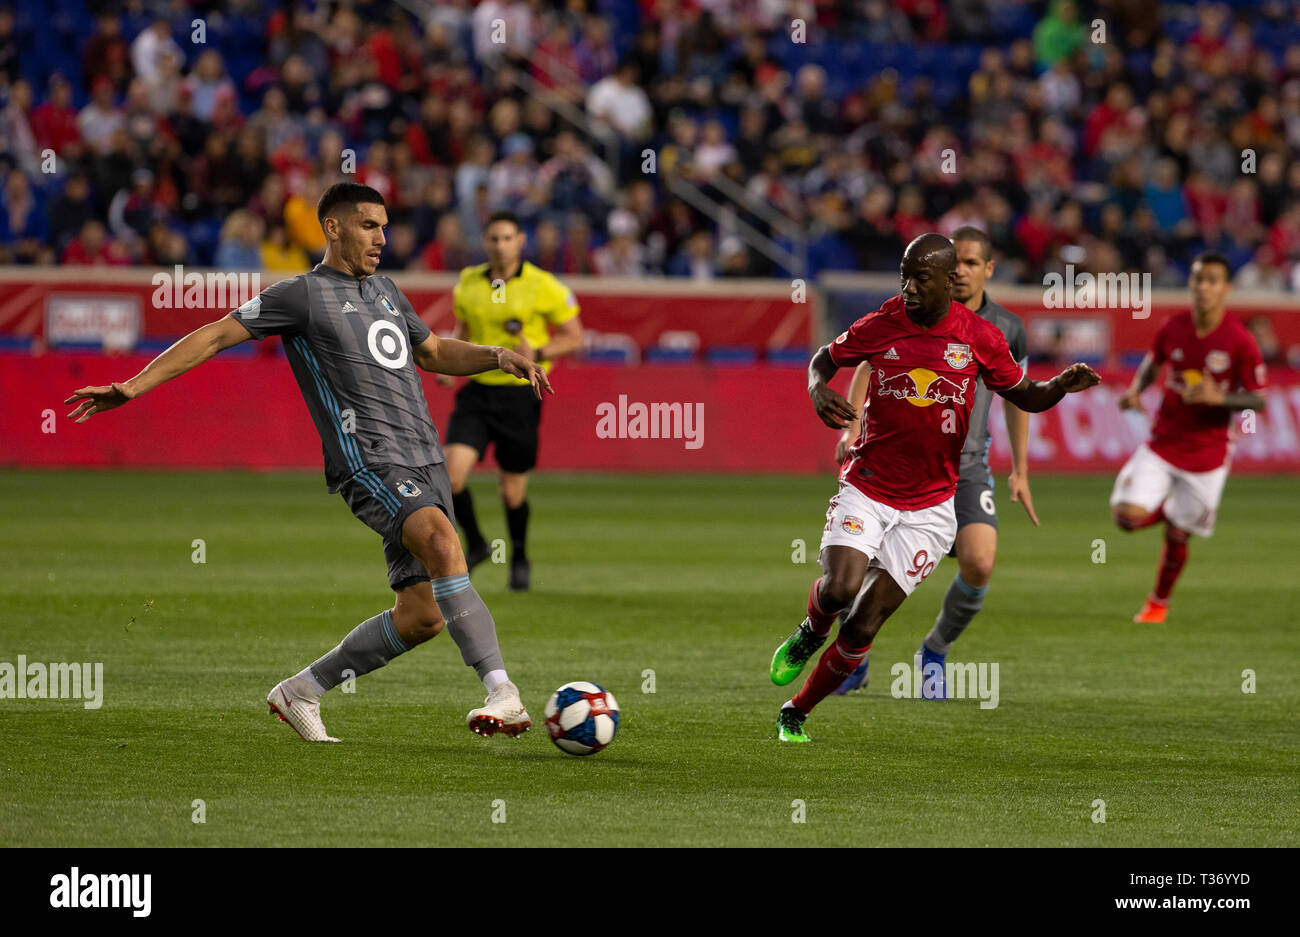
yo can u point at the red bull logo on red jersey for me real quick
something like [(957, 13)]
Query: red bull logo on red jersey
[(958, 355), (921, 387)]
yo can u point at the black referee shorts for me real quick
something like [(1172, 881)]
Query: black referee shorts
[(506, 417)]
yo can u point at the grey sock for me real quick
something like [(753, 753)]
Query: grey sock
[(367, 647), (469, 623), (961, 603)]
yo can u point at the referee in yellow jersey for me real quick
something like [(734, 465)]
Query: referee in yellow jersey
[(509, 302)]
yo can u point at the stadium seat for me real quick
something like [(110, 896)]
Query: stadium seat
[(669, 356), (731, 355), (608, 356), (15, 344), (788, 357)]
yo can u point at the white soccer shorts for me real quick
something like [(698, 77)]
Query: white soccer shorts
[(906, 544), (1191, 499)]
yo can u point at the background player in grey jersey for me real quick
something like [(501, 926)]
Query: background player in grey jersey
[(354, 342), (977, 517)]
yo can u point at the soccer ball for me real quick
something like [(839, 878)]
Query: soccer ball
[(581, 717)]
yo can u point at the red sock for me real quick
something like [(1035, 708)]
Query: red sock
[(836, 663), (821, 621), (1172, 559)]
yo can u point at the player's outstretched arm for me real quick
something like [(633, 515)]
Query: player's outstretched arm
[(832, 409), (189, 352), (1037, 396), (1142, 379), (452, 356)]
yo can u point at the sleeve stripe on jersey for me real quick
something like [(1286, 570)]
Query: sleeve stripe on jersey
[(1014, 383)]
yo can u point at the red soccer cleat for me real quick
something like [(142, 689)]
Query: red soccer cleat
[(1153, 613)]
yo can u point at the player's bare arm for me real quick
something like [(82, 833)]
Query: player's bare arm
[(460, 333), (452, 356), (1144, 378), (1018, 435), (832, 408), (857, 398), (1037, 396), (191, 351)]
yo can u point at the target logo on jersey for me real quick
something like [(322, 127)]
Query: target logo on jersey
[(387, 344)]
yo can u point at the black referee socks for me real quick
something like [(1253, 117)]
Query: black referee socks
[(517, 522)]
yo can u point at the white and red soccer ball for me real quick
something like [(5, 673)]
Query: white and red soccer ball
[(581, 717)]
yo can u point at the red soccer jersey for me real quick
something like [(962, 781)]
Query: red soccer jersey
[(1194, 437), (920, 399)]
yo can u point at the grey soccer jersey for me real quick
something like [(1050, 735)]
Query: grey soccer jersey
[(976, 448), (351, 345)]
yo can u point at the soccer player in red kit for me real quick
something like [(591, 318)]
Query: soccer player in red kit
[(1177, 476), (893, 519)]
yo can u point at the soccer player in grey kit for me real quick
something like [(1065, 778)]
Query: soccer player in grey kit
[(354, 342), (977, 517)]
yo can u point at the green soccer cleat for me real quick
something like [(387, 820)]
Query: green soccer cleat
[(789, 660), (790, 725)]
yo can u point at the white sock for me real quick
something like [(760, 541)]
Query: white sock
[(307, 675), (494, 678)]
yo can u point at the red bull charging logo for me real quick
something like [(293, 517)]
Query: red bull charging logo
[(921, 387)]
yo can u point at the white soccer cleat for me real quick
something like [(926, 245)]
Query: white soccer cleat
[(502, 711), (295, 703)]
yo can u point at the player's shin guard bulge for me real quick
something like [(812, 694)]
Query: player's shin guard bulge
[(961, 603), (837, 663), (820, 618), (469, 622), (475, 633), (368, 646)]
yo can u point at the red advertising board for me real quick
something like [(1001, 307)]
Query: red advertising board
[(248, 413)]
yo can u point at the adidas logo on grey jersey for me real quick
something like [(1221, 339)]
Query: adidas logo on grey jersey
[(348, 307)]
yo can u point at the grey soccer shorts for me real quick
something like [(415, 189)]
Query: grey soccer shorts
[(974, 503), (384, 496)]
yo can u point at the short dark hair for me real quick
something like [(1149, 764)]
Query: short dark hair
[(969, 233), (503, 215), (345, 193), (1214, 257)]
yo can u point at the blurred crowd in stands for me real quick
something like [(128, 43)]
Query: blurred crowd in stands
[(862, 122)]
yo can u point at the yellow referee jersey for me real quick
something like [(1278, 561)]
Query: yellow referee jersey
[(519, 309)]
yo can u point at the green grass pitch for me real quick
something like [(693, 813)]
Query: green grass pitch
[(690, 577)]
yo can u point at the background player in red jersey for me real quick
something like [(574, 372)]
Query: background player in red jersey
[(893, 520), (1177, 475)]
